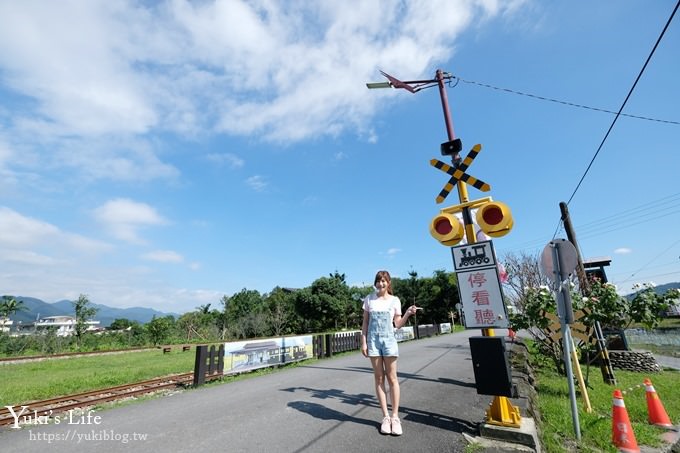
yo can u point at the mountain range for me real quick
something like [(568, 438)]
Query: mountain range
[(33, 309), (659, 289)]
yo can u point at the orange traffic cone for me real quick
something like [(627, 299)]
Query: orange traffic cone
[(655, 411), (511, 334), (623, 436)]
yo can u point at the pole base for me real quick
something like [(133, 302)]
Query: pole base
[(501, 412)]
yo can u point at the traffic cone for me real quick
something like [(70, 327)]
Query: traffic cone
[(655, 411), (623, 436), (511, 334)]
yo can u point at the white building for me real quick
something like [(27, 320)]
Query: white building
[(5, 324), (63, 325)]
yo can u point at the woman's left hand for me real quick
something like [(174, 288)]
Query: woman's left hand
[(413, 309)]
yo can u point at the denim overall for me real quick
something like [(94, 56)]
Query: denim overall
[(381, 340)]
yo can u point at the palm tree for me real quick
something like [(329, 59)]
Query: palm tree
[(9, 305)]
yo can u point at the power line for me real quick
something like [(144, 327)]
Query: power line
[(653, 259), (630, 92), (614, 222), (654, 206), (571, 104)]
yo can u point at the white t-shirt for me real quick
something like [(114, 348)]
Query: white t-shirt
[(390, 303)]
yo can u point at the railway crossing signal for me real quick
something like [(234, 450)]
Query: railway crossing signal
[(493, 218), (457, 173), (446, 227)]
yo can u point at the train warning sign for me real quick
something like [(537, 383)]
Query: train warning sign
[(473, 256), (479, 286)]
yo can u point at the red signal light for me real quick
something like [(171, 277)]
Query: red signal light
[(447, 229), (495, 219)]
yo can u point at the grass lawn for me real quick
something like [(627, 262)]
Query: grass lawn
[(596, 428), (670, 323), (24, 382)]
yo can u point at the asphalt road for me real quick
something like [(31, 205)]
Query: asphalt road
[(325, 406)]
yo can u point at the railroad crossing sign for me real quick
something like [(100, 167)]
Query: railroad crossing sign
[(473, 256), (458, 174), (479, 287)]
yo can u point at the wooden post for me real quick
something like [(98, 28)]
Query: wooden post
[(199, 365)]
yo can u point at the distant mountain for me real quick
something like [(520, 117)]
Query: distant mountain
[(666, 286), (660, 289), (35, 308)]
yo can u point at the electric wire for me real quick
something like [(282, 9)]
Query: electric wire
[(571, 104), (630, 92), (652, 260), (613, 222), (619, 113)]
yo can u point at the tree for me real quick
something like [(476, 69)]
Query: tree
[(241, 310), (645, 307), (221, 318), (437, 295), (408, 290), (524, 272), (442, 294), (121, 324), (281, 309), (323, 306), (190, 323), (354, 311), (9, 306), (84, 312), (159, 329), (602, 304)]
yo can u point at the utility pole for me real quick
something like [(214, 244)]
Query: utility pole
[(605, 364)]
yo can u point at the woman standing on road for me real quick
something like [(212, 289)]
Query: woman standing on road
[(382, 314)]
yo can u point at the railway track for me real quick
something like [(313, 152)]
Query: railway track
[(43, 410)]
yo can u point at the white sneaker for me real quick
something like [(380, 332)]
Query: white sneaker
[(386, 426), (396, 427)]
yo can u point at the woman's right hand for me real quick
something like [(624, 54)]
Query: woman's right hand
[(364, 350)]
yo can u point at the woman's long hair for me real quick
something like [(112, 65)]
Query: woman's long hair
[(386, 275)]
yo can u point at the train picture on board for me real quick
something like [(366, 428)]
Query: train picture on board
[(476, 256), (249, 355)]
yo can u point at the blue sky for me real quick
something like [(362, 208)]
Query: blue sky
[(164, 154)]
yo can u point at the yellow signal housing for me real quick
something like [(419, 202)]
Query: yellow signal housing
[(447, 229), (495, 219)]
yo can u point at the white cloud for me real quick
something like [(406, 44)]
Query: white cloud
[(232, 160), (18, 231), (623, 251), (124, 218), (257, 183), (101, 82), (163, 256), (30, 258), (99, 68), (393, 251)]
